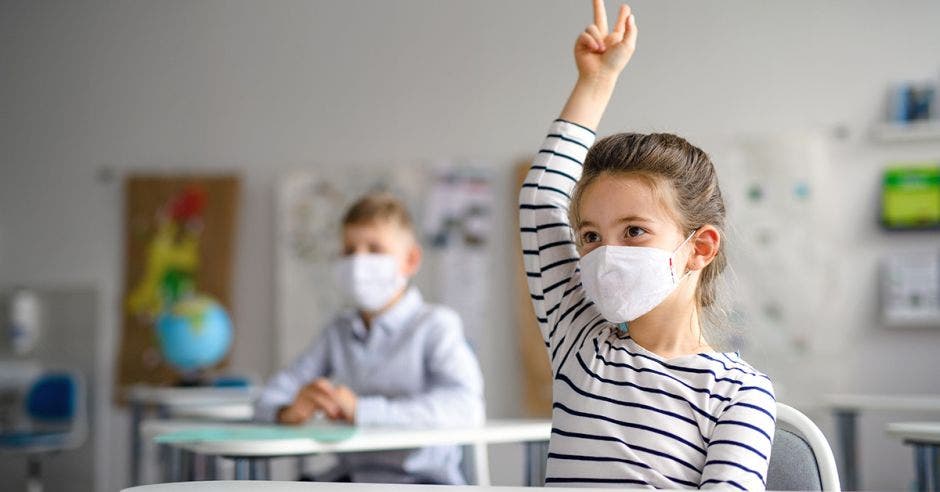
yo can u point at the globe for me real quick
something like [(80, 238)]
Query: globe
[(194, 333)]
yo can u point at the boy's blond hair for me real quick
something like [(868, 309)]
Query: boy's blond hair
[(379, 207)]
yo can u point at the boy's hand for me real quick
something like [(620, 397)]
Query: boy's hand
[(346, 399), (312, 398), (296, 413), (600, 54), (336, 402), (320, 393)]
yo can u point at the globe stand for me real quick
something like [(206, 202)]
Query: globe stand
[(194, 379)]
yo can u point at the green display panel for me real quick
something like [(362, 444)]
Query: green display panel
[(911, 197)]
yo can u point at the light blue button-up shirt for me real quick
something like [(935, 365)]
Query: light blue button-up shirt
[(412, 368)]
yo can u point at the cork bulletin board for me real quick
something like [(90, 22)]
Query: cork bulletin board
[(179, 232)]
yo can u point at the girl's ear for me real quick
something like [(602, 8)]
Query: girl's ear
[(705, 246)]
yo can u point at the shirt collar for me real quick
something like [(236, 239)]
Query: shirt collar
[(396, 317)]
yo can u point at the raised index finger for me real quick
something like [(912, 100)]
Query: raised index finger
[(600, 16)]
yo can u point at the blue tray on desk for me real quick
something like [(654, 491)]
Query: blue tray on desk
[(321, 433)]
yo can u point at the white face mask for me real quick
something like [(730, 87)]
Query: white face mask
[(626, 282), (369, 281)]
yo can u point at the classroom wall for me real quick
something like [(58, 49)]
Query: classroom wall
[(93, 90)]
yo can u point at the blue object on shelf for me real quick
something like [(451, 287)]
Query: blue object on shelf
[(231, 382), (52, 398)]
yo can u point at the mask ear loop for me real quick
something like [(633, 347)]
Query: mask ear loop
[(673, 255), (701, 333)]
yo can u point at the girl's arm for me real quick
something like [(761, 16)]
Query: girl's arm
[(549, 251), (739, 449)]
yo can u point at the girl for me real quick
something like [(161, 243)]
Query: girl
[(622, 255)]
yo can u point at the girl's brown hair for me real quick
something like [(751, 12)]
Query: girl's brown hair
[(682, 175)]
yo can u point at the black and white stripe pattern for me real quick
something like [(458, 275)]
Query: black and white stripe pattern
[(623, 416)]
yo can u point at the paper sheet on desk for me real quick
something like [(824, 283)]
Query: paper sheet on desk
[(257, 433)]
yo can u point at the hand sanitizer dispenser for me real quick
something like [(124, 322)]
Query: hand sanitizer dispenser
[(24, 318)]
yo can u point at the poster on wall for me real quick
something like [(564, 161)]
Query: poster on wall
[(780, 278), (179, 235), (458, 226)]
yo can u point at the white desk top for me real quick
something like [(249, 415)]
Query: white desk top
[(929, 403), (184, 397), (919, 432), (271, 486), (231, 412), (366, 438)]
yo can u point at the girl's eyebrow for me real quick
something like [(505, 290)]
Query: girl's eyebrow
[(634, 218), (629, 218)]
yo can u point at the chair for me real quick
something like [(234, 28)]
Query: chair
[(800, 458), (53, 419)]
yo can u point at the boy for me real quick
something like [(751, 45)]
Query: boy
[(394, 360)]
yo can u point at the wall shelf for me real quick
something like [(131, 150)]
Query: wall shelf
[(915, 131)]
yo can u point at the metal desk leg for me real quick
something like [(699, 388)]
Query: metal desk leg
[(165, 453), (846, 425), (481, 464), (927, 471), (203, 467), (173, 464), (921, 464), (136, 416), (258, 468), (242, 467), (254, 468), (33, 473), (187, 465), (212, 468), (934, 469), (536, 454)]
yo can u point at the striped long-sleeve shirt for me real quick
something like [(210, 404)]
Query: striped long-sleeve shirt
[(621, 414)]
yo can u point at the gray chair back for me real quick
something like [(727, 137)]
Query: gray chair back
[(793, 464)]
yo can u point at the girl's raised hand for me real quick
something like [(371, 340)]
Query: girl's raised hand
[(599, 53)]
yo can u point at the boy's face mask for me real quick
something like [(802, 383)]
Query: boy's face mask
[(369, 281), (626, 282)]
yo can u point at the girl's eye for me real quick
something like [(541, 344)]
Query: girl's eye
[(590, 237), (634, 231)]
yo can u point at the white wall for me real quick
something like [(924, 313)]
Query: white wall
[(263, 87)]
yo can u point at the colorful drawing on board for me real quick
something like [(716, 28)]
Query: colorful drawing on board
[(179, 238), (911, 197), (172, 254)]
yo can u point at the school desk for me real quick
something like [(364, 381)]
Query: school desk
[(846, 408), (268, 486), (214, 403), (252, 446), (925, 438)]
